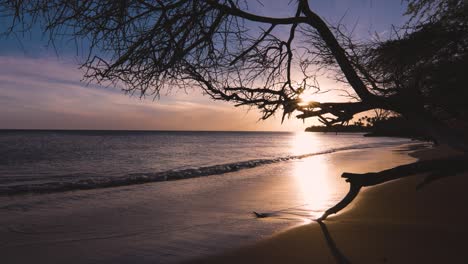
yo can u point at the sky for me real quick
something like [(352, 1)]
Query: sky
[(41, 88)]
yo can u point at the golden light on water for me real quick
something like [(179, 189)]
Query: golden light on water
[(303, 143), (311, 176)]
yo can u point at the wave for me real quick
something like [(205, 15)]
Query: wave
[(140, 178)]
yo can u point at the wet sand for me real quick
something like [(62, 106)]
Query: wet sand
[(170, 222), (389, 223)]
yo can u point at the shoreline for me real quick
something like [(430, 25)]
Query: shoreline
[(387, 223), (178, 221)]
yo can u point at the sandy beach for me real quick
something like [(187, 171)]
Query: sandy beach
[(389, 223)]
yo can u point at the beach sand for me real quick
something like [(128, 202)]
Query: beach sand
[(389, 223)]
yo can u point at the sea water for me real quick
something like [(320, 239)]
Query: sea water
[(49, 161)]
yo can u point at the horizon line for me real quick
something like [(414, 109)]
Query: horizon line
[(135, 130)]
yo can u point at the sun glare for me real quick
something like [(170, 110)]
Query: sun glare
[(311, 175), (304, 143), (306, 98)]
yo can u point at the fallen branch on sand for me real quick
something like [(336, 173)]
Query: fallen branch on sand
[(438, 169)]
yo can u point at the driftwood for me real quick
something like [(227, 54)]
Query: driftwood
[(438, 169)]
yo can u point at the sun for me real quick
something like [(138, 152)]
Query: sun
[(306, 98)]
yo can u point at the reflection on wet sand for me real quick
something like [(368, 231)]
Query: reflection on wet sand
[(313, 184), (314, 181), (311, 176)]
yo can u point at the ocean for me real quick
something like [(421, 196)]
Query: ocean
[(50, 161), (174, 196)]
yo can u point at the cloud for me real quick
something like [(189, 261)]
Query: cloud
[(46, 93)]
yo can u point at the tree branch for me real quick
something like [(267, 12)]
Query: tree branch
[(438, 169), (342, 111), (235, 11), (315, 21)]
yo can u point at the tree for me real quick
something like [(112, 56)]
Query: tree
[(425, 65), (238, 56)]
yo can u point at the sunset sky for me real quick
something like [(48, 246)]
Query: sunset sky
[(40, 89)]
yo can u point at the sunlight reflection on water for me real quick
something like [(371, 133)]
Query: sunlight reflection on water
[(313, 184), (312, 176), (304, 142)]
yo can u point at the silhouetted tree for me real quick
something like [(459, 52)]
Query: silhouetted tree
[(425, 65), (239, 56)]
